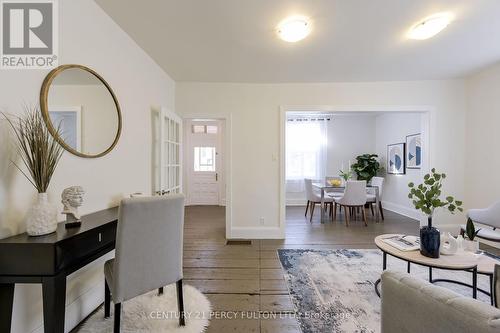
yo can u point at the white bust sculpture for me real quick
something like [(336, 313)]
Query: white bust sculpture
[(72, 198)]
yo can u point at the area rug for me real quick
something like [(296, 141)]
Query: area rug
[(333, 290), (155, 313)]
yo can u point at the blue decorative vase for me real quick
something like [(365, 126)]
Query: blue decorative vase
[(429, 240)]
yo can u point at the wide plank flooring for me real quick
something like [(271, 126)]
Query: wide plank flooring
[(245, 283), (247, 280)]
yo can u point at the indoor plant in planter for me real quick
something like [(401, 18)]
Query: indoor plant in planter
[(427, 198), (40, 154), (366, 166), (470, 231), (345, 175)]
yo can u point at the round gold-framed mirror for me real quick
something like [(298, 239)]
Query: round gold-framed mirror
[(81, 110)]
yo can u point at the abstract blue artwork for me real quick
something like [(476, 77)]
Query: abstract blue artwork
[(396, 159), (414, 151)]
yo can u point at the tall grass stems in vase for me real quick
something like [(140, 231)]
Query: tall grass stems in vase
[(40, 153)]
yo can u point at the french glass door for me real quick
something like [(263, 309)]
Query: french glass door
[(167, 155)]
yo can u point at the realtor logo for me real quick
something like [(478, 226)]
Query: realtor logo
[(29, 34)]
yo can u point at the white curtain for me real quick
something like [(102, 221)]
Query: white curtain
[(305, 152)]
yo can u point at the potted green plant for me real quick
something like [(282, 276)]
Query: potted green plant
[(40, 154), (470, 231), (366, 166), (426, 197), (345, 175)]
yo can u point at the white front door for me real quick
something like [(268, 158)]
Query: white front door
[(204, 162), (167, 152)]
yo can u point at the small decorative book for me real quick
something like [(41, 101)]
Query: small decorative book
[(403, 242)]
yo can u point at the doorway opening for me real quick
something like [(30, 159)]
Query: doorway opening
[(335, 136), (204, 157)]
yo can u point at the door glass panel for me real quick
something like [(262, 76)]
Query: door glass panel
[(211, 129), (198, 129), (204, 159), (177, 157)]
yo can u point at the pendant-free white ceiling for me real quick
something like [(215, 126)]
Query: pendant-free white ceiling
[(351, 40)]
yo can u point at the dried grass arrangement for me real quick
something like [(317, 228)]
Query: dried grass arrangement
[(39, 151)]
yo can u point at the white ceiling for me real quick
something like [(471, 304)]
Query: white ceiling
[(352, 40)]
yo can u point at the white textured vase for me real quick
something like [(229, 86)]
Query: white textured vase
[(471, 246), (449, 245), (42, 218)]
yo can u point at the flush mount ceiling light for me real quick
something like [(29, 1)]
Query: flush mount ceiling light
[(294, 28), (430, 26)]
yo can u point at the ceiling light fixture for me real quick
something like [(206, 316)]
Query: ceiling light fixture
[(430, 26), (294, 28)]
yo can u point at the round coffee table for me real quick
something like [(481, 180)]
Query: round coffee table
[(463, 261)]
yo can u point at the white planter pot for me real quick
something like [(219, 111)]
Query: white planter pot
[(471, 246), (42, 217)]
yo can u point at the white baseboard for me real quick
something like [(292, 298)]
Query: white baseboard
[(81, 307), (296, 202), (257, 233), (406, 211)]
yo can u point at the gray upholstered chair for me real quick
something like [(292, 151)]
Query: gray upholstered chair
[(413, 305), (149, 243)]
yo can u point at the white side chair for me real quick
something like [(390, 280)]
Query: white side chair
[(371, 198), (487, 216), (149, 244), (334, 193), (314, 198), (354, 197)]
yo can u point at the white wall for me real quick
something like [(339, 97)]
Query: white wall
[(99, 119), (89, 37), (348, 135), (255, 134), (483, 138), (390, 129)]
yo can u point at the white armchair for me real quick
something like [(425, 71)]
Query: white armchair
[(487, 216)]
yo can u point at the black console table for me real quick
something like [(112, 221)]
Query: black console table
[(49, 260)]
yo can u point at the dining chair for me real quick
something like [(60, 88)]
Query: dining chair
[(314, 198), (334, 193), (371, 197), (354, 197), (149, 243)]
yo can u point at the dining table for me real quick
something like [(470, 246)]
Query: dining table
[(325, 187)]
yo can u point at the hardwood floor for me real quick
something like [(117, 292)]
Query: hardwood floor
[(246, 280)]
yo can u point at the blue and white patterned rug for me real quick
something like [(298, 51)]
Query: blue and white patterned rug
[(333, 290)]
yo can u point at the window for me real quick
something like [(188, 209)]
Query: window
[(211, 129), (204, 159), (204, 129), (198, 129), (305, 150)]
